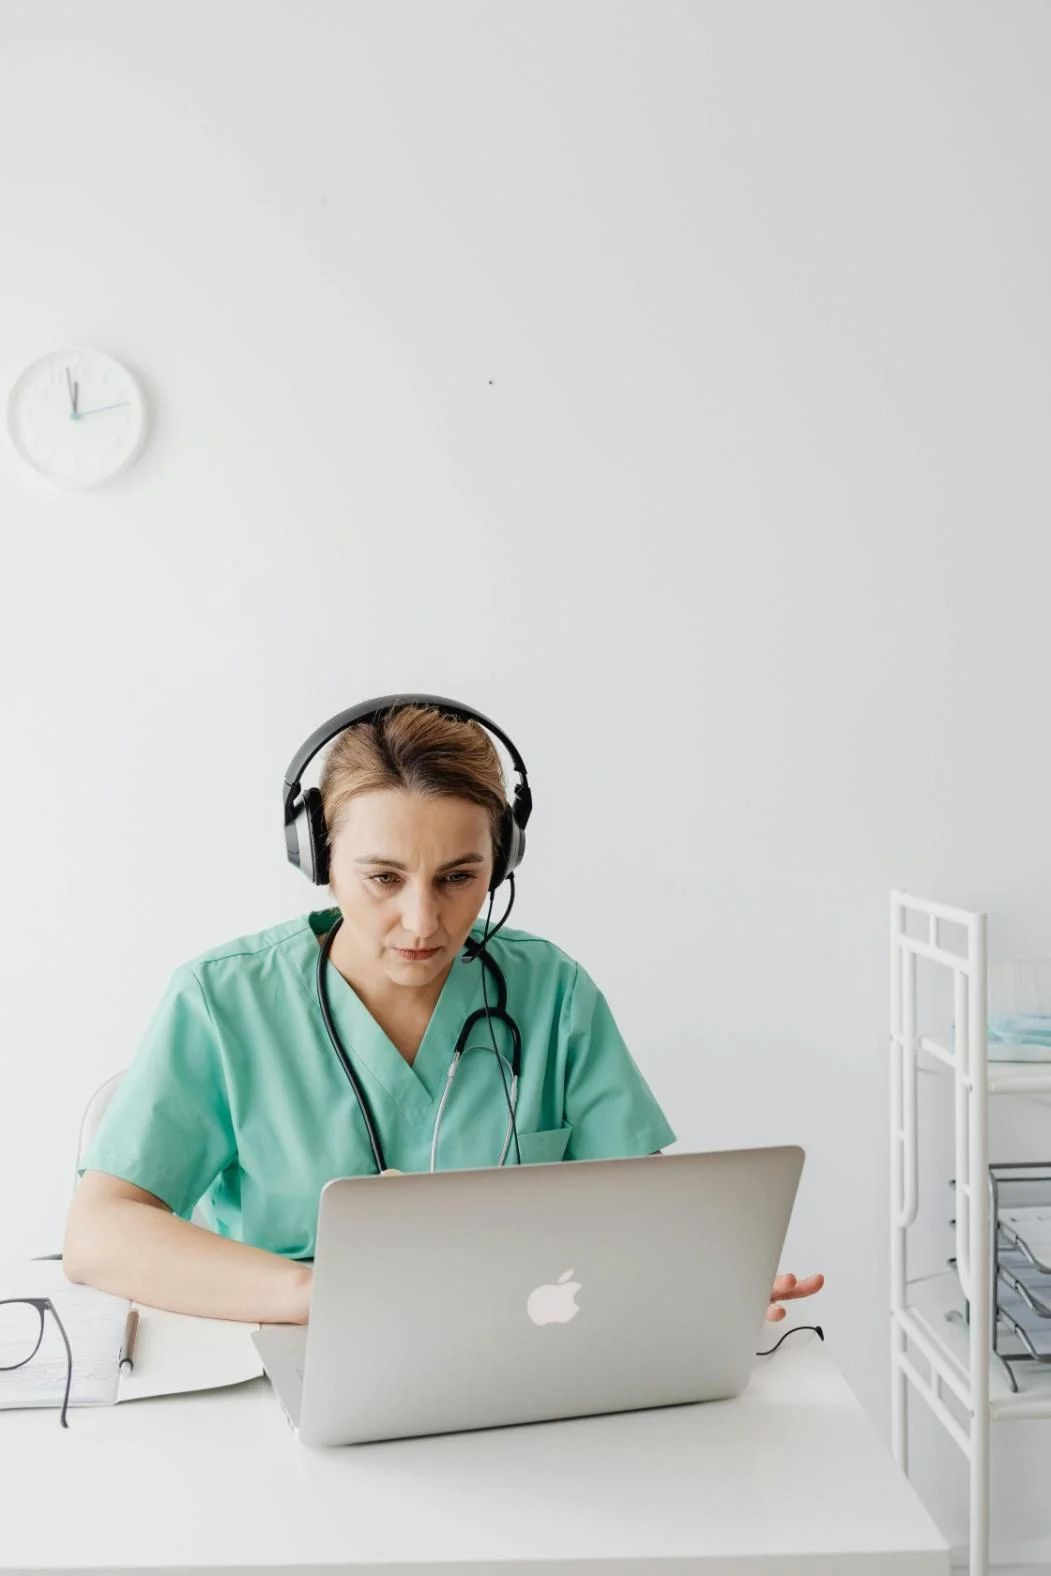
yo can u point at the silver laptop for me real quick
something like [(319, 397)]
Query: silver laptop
[(471, 1299)]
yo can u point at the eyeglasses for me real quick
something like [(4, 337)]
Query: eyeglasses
[(21, 1332)]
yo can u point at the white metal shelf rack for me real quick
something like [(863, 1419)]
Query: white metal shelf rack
[(927, 1317)]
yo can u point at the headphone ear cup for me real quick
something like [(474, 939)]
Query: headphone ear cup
[(517, 852), (312, 835), (501, 859), (510, 850)]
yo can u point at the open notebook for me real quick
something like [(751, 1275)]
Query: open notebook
[(174, 1352)]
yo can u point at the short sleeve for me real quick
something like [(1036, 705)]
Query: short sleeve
[(608, 1103), (167, 1128)]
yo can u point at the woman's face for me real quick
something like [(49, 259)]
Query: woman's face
[(410, 874)]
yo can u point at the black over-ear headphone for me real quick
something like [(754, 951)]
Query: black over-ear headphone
[(306, 835)]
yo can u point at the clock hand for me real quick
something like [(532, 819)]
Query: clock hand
[(100, 408), (74, 393)]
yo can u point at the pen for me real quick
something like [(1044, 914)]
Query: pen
[(130, 1331)]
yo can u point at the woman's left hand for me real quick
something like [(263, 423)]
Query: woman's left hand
[(787, 1287)]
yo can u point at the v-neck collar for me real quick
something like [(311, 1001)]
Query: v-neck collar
[(416, 1089)]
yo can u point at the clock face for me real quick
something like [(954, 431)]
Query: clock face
[(78, 417)]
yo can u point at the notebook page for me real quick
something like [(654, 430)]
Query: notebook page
[(94, 1322), (177, 1352)]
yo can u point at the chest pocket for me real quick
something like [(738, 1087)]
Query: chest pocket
[(542, 1148)]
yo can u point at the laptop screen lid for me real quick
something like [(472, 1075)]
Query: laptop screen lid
[(476, 1298)]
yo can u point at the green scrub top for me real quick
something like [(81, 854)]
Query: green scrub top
[(237, 1104)]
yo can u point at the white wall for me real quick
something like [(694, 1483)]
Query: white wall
[(671, 381)]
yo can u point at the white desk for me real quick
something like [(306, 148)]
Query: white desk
[(791, 1477)]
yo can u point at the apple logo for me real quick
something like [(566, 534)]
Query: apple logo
[(553, 1304)]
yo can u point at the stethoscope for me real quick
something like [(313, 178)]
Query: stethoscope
[(487, 1014)]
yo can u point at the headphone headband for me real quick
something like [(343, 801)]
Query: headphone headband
[(368, 711), (309, 809)]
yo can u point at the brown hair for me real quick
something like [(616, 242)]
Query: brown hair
[(417, 748)]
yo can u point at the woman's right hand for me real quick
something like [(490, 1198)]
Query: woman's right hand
[(125, 1240)]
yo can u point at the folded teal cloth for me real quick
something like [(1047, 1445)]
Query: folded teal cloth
[(1021, 1029), (1018, 1037)]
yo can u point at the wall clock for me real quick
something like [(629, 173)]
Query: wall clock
[(78, 417)]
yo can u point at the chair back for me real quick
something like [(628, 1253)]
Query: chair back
[(93, 1114), (89, 1126)]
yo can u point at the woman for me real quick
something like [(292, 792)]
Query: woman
[(323, 1046)]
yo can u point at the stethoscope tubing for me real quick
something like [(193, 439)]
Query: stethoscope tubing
[(487, 1014), (512, 1100)]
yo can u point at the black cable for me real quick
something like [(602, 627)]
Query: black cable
[(473, 949), (489, 934), (793, 1331), (476, 950)]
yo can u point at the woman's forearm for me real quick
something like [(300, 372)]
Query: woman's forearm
[(139, 1251)]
